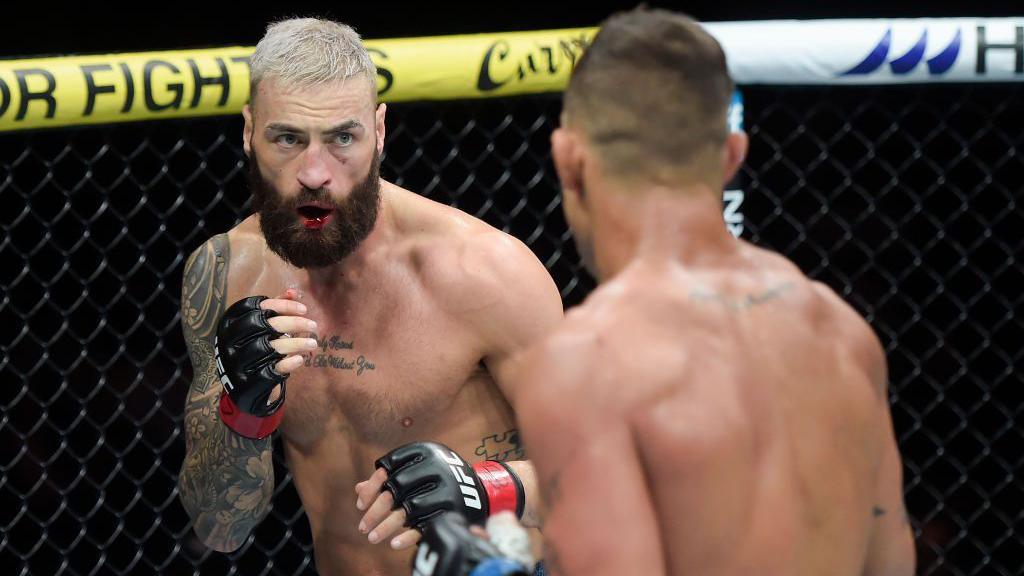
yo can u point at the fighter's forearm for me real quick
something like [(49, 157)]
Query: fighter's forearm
[(532, 508), (226, 480)]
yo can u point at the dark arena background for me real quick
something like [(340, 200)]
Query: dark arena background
[(901, 198)]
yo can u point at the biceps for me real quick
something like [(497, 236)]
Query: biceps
[(204, 287), (601, 517), (516, 328)]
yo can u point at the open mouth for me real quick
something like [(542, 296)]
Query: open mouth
[(315, 217)]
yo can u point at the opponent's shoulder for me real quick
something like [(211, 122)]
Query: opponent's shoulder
[(854, 332), (830, 317), (579, 353), (556, 368)]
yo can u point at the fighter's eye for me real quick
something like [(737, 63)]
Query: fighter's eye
[(343, 138), (287, 140)]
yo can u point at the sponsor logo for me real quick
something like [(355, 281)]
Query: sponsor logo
[(221, 373), (470, 495), (732, 211), (134, 87), (426, 561), (987, 46), (906, 63), (505, 62)]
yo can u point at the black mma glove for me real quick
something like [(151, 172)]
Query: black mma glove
[(428, 479), (245, 366), (448, 548)]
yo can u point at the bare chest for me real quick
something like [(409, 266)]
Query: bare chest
[(387, 361)]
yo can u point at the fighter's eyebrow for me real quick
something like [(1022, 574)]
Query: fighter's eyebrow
[(343, 127), (281, 127)]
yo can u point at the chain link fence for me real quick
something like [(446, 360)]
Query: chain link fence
[(903, 199)]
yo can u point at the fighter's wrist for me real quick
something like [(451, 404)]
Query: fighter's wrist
[(504, 489), (245, 424)]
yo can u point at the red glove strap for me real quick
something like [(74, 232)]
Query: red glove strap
[(246, 424), (502, 487)]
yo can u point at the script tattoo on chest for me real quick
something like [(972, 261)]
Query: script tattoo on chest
[(336, 353)]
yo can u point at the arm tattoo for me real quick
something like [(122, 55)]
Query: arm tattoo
[(226, 481), (877, 512), (504, 447)]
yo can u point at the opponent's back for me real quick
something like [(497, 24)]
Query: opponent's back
[(734, 415)]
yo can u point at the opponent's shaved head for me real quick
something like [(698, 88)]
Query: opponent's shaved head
[(651, 95)]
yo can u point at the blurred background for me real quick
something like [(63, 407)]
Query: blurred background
[(902, 198)]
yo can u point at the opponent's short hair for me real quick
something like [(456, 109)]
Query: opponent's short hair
[(651, 94), (307, 52)]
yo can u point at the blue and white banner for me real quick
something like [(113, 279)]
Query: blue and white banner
[(734, 194), (885, 51)]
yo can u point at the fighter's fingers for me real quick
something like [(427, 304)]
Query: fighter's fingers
[(289, 364), (288, 346), (284, 307), (406, 539), (290, 294), (292, 324), (392, 524), (368, 490), (378, 511)]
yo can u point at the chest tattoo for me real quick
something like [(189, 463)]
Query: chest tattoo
[(337, 353)]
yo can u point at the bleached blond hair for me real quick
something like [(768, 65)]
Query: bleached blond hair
[(308, 52)]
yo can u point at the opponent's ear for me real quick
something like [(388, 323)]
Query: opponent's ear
[(247, 130), (733, 154), (379, 115), (567, 154)]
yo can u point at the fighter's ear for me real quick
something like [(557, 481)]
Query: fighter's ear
[(247, 130), (567, 154), (733, 154)]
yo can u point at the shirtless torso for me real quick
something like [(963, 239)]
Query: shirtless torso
[(709, 409), (727, 417), (412, 344)]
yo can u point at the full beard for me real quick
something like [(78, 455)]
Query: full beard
[(350, 222)]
